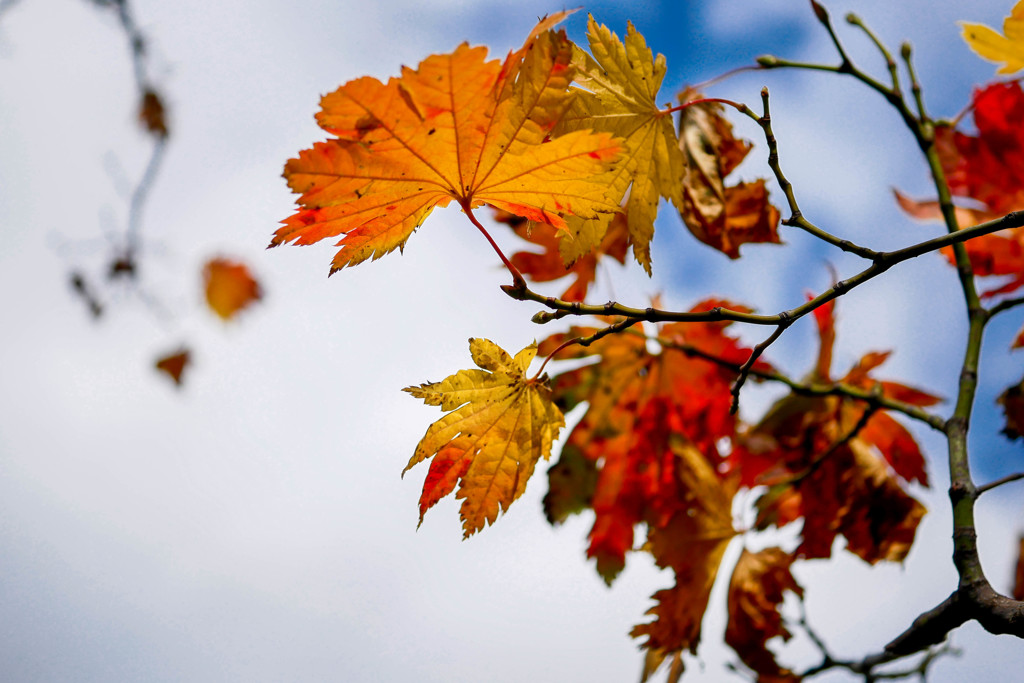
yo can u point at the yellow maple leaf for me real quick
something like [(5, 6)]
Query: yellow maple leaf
[(459, 127), (1007, 47), (499, 424), (619, 85)]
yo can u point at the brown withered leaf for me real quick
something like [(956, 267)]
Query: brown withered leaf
[(174, 364), (756, 592), (571, 483), (152, 115), (722, 217)]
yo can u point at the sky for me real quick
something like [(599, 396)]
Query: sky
[(253, 525)]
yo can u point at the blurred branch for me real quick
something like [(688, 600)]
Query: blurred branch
[(1005, 305), (998, 482), (866, 667)]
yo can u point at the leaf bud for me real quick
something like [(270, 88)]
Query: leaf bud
[(542, 317), (819, 12)]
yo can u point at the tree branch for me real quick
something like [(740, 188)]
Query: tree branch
[(873, 399), (998, 482), (1005, 305), (796, 218)]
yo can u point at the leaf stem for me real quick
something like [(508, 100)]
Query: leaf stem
[(518, 281), (703, 100)]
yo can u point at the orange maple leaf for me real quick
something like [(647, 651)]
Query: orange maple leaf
[(230, 287), (458, 127), (691, 543), (756, 592), (499, 424), (721, 217)]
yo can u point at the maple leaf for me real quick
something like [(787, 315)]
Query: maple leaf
[(618, 87), (499, 424), (1007, 47), (229, 287), (571, 483), (827, 462), (548, 264), (721, 217), (174, 364), (691, 543), (986, 170), (756, 590), (458, 127)]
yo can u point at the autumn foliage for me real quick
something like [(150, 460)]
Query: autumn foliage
[(570, 148)]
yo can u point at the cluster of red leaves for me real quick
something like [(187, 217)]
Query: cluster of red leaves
[(987, 171), (658, 446), (839, 468)]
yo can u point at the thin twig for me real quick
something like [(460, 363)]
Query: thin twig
[(998, 482), (796, 218), (756, 352), (890, 63), (915, 86), (1005, 305), (810, 389), (882, 263)]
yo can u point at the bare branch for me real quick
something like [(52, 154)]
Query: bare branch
[(796, 218), (998, 482)]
